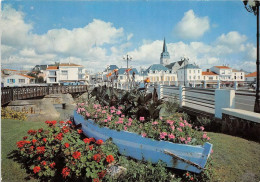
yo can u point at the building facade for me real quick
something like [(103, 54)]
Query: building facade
[(18, 80), (165, 56), (190, 75)]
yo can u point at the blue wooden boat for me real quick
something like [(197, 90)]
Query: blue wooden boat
[(180, 156)]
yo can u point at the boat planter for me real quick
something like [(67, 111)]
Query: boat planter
[(180, 156)]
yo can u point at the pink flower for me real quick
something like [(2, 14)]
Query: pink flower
[(98, 110), (95, 106), (112, 111), (171, 136), (154, 123), (104, 111), (143, 134), (162, 136), (164, 133), (208, 138), (204, 135), (130, 120), (87, 114), (202, 128), (129, 124), (105, 120), (188, 139), (170, 122), (173, 128), (125, 128), (109, 118), (141, 118), (180, 119), (179, 129), (118, 112), (121, 119), (122, 116), (113, 108), (161, 118), (181, 124), (211, 151), (182, 139), (120, 108)]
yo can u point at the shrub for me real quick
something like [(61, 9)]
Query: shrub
[(62, 152), (7, 113)]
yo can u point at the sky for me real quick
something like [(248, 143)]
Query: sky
[(99, 33)]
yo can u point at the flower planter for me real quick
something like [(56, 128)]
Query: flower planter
[(179, 156)]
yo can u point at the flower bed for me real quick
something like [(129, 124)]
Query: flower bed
[(62, 152), (173, 128)]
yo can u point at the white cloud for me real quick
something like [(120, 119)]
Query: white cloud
[(191, 26)]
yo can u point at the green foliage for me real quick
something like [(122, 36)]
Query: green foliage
[(7, 113)]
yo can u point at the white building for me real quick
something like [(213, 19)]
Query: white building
[(238, 76), (157, 73), (251, 77), (224, 72), (65, 73), (17, 80), (177, 65), (190, 74), (122, 75)]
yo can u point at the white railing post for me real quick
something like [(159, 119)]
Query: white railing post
[(235, 85), (176, 83), (223, 99), (181, 95), (160, 91), (218, 86), (169, 83), (205, 84)]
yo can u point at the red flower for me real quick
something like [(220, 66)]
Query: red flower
[(36, 169), (79, 131), (40, 150), (31, 148), (20, 144), (39, 158), (32, 132), (102, 174), (61, 122), (191, 178), (69, 122), (187, 174), (76, 155), (86, 140), (66, 145), (59, 136), (44, 139), (99, 142), (92, 139), (97, 157), (40, 130), (95, 180), (51, 123), (110, 158), (52, 165), (65, 172), (91, 147), (34, 141), (25, 137), (43, 163), (65, 129)]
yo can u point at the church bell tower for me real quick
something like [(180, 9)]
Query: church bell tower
[(165, 56)]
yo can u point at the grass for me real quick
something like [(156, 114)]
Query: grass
[(235, 159), (11, 132)]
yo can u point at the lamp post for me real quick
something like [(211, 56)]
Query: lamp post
[(127, 58), (252, 6)]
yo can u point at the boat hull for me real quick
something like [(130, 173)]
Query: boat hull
[(179, 156)]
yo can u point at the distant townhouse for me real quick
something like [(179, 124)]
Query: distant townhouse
[(123, 76), (177, 65), (17, 80), (224, 72), (251, 77), (65, 73), (157, 73), (190, 75), (238, 76), (210, 77)]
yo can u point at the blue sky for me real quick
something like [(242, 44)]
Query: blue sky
[(95, 34)]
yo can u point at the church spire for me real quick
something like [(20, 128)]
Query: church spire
[(164, 46)]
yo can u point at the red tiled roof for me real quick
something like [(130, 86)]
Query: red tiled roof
[(222, 67), (26, 76), (208, 73), (251, 74), (52, 68)]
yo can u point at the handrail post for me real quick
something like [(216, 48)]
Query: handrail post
[(223, 99), (182, 95)]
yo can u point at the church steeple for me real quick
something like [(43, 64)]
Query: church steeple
[(165, 56)]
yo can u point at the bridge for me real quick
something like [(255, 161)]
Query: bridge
[(9, 94)]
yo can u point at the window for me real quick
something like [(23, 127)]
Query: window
[(21, 80), (210, 77), (235, 77), (64, 72), (194, 77), (52, 79), (198, 71), (121, 77), (199, 77), (80, 70), (204, 77), (190, 77), (241, 77), (52, 73), (193, 71), (10, 80), (189, 71), (153, 71), (223, 72)]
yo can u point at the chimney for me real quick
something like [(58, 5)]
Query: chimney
[(207, 70)]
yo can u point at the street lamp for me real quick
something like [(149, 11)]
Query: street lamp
[(252, 6), (127, 58)]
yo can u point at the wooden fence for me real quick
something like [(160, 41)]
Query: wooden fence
[(9, 94)]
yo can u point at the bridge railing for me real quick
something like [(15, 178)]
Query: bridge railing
[(9, 94)]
